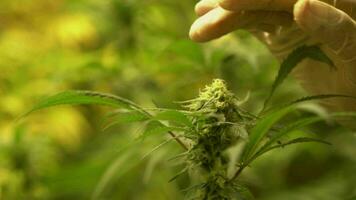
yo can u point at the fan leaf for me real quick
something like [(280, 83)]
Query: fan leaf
[(296, 125), (311, 98), (260, 130), (293, 59), (78, 97), (174, 116), (294, 141), (125, 117)]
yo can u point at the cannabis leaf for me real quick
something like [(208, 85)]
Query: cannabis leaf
[(294, 141), (299, 54), (308, 98), (77, 97), (260, 130), (124, 117), (174, 116)]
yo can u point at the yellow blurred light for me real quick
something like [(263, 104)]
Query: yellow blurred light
[(110, 57), (74, 30), (65, 124), (18, 45), (13, 105), (6, 131)]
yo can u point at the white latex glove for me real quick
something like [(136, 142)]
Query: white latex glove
[(284, 25)]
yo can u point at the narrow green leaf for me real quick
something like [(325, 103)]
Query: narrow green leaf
[(174, 116), (305, 139), (83, 97), (156, 148), (296, 125), (178, 156), (319, 97), (294, 141), (125, 117), (244, 193), (126, 160), (156, 127), (130, 117), (179, 174), (311, 98), (261, 129), (293, 59)]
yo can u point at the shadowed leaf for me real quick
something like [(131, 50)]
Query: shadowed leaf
[(261, 129), (293, 59), (294, 141), (310, 98), (296, 125)]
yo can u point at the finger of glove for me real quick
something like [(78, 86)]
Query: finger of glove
[(204, 6), (348, 6), (271, 5), (219, 22), (329, 26)]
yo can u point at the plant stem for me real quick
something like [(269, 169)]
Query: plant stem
[(178, 140), (143, 111), (237, 173), (169, 132)]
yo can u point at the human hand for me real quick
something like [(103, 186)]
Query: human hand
[(284, 25)]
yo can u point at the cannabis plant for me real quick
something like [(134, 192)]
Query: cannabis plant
[(207, 126)]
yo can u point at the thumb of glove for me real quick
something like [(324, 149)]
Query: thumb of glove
[(329, 26)]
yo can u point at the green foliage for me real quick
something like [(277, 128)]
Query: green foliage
[(260, 131), (294, 141), (139, 50), (294, 126), (299, 54), (83, 98), (211, 124), (174, 116), (308, 98), (125, 117)]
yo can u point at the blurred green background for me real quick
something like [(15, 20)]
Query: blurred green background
[(139, 50)]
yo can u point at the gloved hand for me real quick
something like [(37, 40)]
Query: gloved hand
[(284, 25)]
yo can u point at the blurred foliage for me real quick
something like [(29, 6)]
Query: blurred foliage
[(139, 50)]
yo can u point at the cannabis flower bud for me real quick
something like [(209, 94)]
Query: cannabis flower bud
[(214, 98), (215, 118), (216, 115)]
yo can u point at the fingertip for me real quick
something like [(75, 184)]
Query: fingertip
[(313, 14), (301, 13), (228, 5), (199, 9), (204, 6), (203, 28), (299, 9), (196, 33), (214, 24)]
